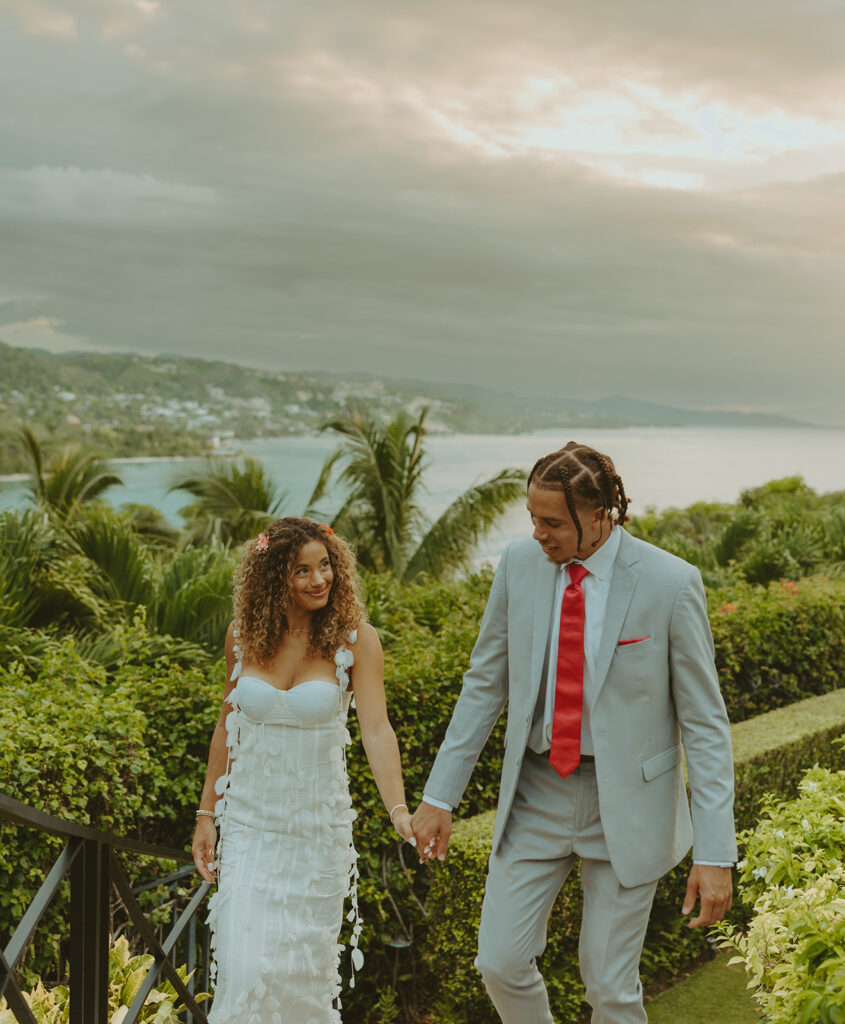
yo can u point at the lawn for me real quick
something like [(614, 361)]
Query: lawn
[(715, 994)]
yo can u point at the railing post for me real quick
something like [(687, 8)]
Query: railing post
[(89, 935), (191, 962)]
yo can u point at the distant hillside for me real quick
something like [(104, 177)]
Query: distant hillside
[(136, 405)]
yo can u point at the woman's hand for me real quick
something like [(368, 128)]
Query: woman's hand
[(203, 847), (402, 824)]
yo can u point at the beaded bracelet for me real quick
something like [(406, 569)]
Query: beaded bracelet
[(206, 814), (395, 809)]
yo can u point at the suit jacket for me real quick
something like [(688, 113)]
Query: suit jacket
[(654, 701)]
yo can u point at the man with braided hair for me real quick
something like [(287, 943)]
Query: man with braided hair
[(600, 645)]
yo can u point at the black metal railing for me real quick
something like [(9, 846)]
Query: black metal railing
[(89, 858)]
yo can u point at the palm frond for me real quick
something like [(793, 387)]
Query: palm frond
[(193, 597), (43, 581), (322, 486), (234, 501), (69, 479), (450, 541), (122, 570), (382, 472), (35, 456)]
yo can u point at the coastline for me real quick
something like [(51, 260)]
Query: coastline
[(133, 460)]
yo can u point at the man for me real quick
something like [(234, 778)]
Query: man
[(601, 646)]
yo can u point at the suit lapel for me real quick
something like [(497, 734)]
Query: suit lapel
[(623, 582), (541, 614)]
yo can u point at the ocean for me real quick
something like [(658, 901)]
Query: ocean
[(660, 467)]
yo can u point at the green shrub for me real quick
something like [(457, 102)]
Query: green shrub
[(121, 754), (794, 876), (428, 632), (167, 694), (770, 752), (777, 644), (781, 530)]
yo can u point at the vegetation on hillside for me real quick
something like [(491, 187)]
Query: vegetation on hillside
[(131, 405)]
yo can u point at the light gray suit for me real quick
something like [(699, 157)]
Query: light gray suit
[(650, 697)]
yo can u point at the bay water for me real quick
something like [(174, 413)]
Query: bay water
[(660, 467)]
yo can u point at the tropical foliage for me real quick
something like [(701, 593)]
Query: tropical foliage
[(381, 474), (233, 501), (111, 628), (782, 530), (71, 478), (126, 974)]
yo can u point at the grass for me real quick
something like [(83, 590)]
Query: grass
[(714, 994)]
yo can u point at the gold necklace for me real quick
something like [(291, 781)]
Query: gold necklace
[(301, 632)]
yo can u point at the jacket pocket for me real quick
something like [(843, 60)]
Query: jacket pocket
[(624, 647), (661, 763)]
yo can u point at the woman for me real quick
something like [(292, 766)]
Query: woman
[(277, 783)]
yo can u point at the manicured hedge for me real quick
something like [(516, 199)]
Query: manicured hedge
[(771, 753), (778, 644)]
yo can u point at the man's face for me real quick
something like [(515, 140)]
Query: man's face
[(555, 530)]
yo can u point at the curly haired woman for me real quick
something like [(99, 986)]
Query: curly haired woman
[(276, 782)]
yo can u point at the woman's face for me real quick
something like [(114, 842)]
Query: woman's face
[(312, 577)]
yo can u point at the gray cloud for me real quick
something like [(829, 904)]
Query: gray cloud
[(301, 186)]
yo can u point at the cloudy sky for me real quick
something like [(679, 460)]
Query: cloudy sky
[(638, 197)]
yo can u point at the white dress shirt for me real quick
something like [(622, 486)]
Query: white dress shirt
[(596, 587)]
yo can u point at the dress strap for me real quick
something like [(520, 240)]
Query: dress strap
[(239, 657)]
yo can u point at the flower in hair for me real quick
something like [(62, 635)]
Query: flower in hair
[(327, 528), (262, 543)]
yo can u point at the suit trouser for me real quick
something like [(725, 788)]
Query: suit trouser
[(553, 821)]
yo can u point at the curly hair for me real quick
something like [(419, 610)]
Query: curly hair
[(263, 591), (586, 477)]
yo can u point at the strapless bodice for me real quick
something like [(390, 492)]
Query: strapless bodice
[(312, 702)]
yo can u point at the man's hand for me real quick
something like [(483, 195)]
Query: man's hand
[(715, 886), (432, 828)]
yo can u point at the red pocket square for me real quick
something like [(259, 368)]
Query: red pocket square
[(636, 640)]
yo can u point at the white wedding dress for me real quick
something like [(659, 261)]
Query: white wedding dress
[(285, 856)]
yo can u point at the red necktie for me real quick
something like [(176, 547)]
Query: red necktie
[(565, 755)]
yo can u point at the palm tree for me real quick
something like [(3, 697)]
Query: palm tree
[(44, 581), (382, 471), (234, 500), (193, 596), (69, 479)]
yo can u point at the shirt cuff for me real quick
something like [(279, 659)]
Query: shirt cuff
[(715, 863), (436, 803)]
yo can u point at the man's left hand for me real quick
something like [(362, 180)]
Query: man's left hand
[(715, 887)]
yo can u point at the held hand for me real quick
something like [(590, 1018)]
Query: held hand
[(202, 848), (402, 824), (432, 827), (715, 886)]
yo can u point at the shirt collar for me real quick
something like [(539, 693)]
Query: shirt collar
[(600, 563)]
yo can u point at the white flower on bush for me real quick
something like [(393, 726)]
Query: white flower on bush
[(792, 949)]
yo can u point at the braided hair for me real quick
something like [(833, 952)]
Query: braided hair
[(263, 590), (587, 478)]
